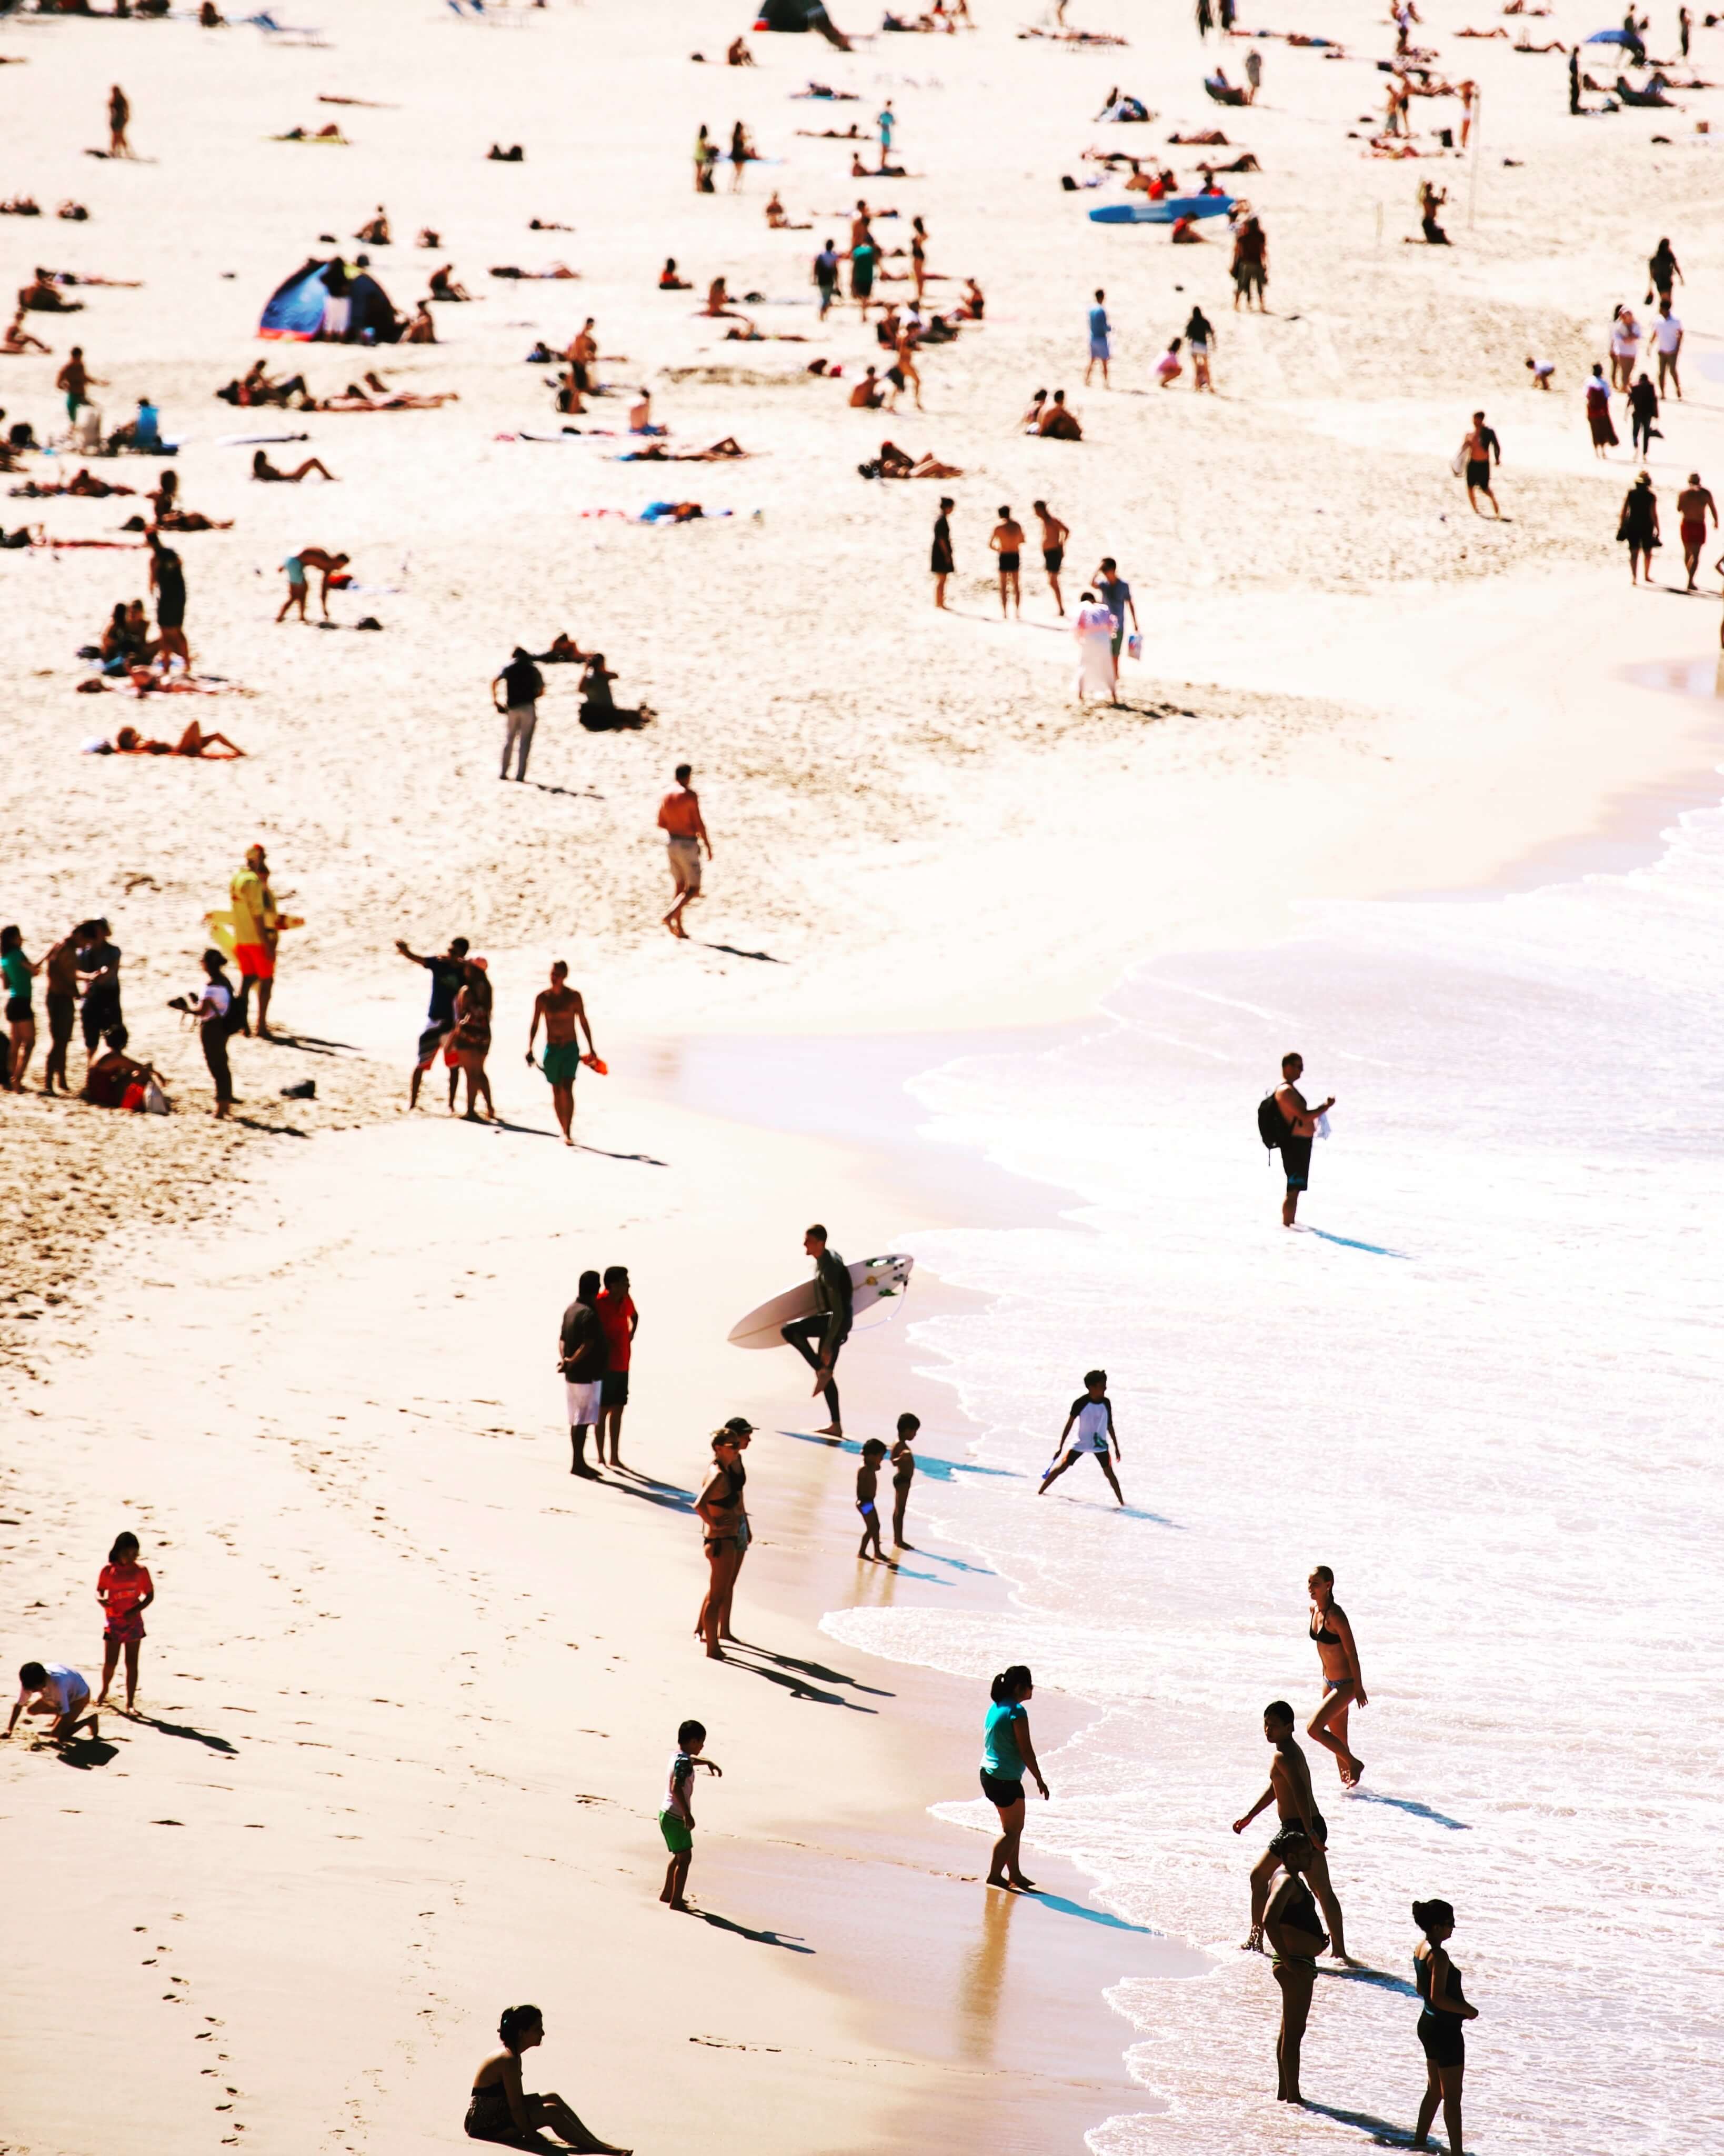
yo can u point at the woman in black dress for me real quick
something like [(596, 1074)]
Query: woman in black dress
[(1439, 2024), (940, 560), (1638, 527)]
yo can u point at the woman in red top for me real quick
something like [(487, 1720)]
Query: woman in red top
[(125, 1590), (621, 1320)]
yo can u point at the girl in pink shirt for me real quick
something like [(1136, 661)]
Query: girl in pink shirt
[(125, 1590)]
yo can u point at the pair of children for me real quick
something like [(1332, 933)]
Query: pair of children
[(903, 1458)]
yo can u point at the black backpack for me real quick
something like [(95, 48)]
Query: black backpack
[(1271, 1123)]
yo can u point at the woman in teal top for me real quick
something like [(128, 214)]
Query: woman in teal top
[(17, 972), (1006, 1751)]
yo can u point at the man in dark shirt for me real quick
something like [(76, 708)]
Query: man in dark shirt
[(830, 1325), (522, 685), (585, 1356), (99, 959), (447, 973)]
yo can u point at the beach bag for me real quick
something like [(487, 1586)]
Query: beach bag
[(155, 1100), (1271, 1123)]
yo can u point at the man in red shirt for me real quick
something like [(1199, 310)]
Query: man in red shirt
[(679, 819), (621, 1321)]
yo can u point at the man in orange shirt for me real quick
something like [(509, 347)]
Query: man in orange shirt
[(679, 819)]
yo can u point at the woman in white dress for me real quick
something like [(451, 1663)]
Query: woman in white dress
[(1093, 628)]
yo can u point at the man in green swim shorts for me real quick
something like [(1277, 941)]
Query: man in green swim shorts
[(564, 1015)]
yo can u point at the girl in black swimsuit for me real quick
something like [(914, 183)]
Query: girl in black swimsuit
[(1296, 1937), (500, 2112), (724, 1520), (1440, 2026)]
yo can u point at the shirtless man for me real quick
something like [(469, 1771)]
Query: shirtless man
[(1479, 445), (1007, 540), (76, 380), (583, 355), (564, 1014), (1054, 535), (1694, 503), (1301, 1840), (1301, 1123), (685, 830), (299, 584)]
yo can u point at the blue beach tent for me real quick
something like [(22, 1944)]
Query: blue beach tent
[(295, 310)]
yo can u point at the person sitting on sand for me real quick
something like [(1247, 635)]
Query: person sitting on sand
[(421, 330), (126, 638), (113, 1074), (669, 281), (18, 338), (898, 463), (564, 651), (1031, 422), (499, 2110), (1185, 234), (443, 286), (640, 415), (193, 742), (973, 306), (1058, 423), (779, 218), (737, 54), (376, 232), (718, 302), (42, 296), (261, 468), (600, 713), (169, 517), (867, 396), (21, 206), (569, 398)]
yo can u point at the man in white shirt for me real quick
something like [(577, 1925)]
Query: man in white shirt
[(1667, 335)]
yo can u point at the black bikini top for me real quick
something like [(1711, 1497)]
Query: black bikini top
[(1320, 1633)]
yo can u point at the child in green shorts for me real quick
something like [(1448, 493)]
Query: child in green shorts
[(676, 1815)]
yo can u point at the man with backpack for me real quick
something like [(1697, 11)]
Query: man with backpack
[(1285, 1124)]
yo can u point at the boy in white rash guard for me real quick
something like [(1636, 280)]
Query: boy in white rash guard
[(1092, 1411)]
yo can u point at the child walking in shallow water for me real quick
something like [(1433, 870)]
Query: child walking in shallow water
[(125, 1590), (867, 1490), (676, 1817)]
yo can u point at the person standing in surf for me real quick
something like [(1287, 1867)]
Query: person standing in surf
[(1300, 1122), (1006, 1753), (1343, 1686), (1300, 1842), (903, 1474), (724, 1531), (867, 1500), (1092, 1411), (1441, 2036), (830, 1325)]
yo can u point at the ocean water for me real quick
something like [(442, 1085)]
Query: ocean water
[(1483, 1383)]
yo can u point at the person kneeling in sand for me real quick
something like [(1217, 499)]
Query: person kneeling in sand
[(421, 330), (867, 395), (57, 1691), (499, 2110)]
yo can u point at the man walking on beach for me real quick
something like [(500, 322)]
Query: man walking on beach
[(564, 1011), (1099, 350), (830, 1325), (449, 975), (1302, 1841), (1301, 1127), (1054, 535), (75, 380), (1477, 449), (255, 937), (1667, 336), (1007, 540), (582, 1353), (1694, 505), (1115, 595), (684, 830), (522, 685)]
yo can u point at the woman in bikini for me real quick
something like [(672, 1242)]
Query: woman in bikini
[(1296, 1937), (1343, 1686), (499, 2110), (261, 468), (724, 1523)]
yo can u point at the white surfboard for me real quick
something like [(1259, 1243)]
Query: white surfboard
[(872, 1280)]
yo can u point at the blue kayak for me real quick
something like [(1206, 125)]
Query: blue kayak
[(1163, 211)]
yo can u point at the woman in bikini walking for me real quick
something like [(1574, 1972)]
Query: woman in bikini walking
[(1343, 1686)]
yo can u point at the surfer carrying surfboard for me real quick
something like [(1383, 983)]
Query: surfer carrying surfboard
[(829, 1328)]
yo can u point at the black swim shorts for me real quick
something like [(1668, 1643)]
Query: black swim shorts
[(1296, 1157), (1003, 1794)]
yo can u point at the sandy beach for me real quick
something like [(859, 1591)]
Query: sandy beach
[(295, 1351)]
